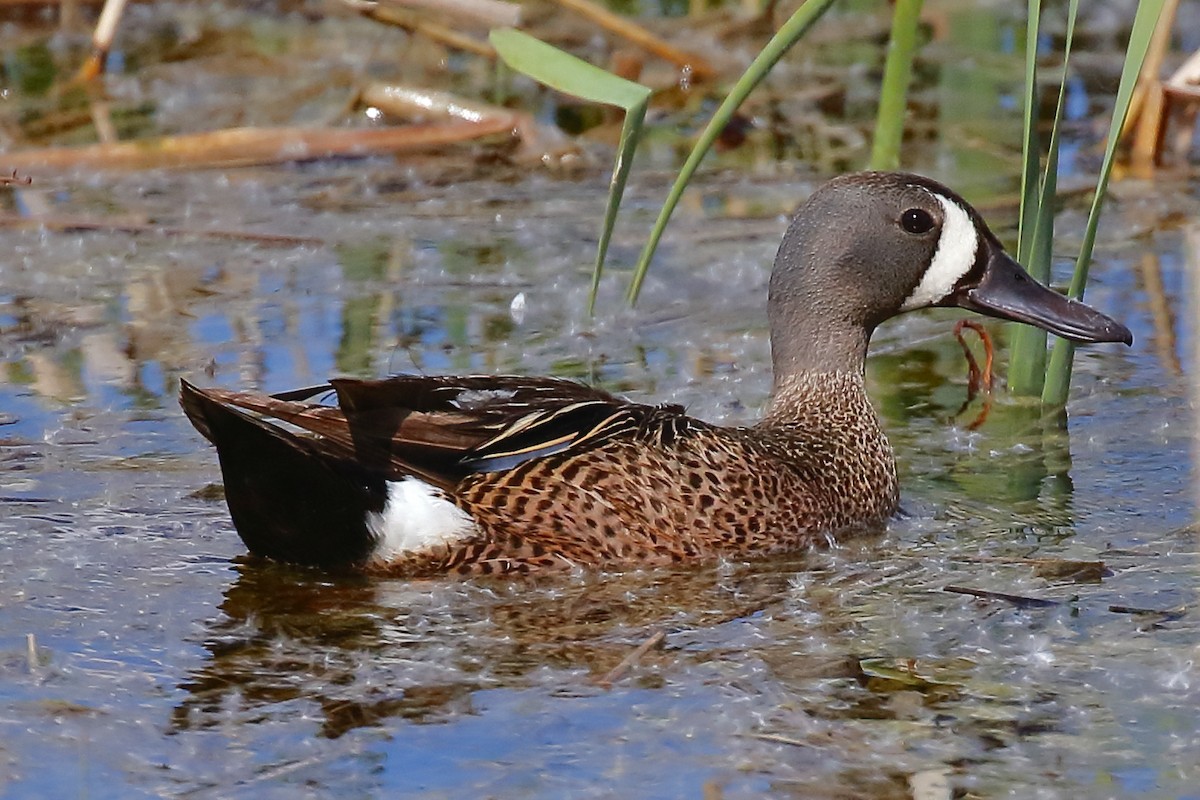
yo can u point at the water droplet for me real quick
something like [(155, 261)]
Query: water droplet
[(516, 309)]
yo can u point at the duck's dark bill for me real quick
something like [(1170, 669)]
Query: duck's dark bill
[(1007, 291)]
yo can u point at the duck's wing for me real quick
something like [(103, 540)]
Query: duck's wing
[(437, 428)]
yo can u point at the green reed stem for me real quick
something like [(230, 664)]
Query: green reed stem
[(893, 93)]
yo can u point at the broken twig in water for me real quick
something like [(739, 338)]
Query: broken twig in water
[(15, 180), (239, 147), (1052, 568), (698, 66), (538, 143), (615, 674), (1016, 599), (417, 24), (777, 738), (1158, 614)]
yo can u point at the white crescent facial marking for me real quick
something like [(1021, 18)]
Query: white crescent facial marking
[(954, 257), (416, 517)]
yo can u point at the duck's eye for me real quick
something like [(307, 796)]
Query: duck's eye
[(916, 220)]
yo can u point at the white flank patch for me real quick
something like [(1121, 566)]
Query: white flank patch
[(954, 257), (416, 517)]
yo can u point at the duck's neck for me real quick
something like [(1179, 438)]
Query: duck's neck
[(819, 410), (835, 440), (814, 328), (822, 401)]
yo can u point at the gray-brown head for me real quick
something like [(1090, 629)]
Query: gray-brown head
[(868, 246)]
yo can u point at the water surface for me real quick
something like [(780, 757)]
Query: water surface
[(143, 655)]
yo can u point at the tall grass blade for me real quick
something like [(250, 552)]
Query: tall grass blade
[(787, 35), (1058, 377), (1027, 364), (570, 75), (893, 93), (631, 132), (1027, 367), (1030, 140)]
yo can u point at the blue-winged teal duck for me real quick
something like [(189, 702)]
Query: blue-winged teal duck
[(494, 475)]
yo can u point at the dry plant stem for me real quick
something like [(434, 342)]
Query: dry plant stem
[(487, 13), (52, 122), (106, 132), (1021, 561), (699, 67), (15, 180), (70, 223), (1053, 568), (412, 101), (1181, 96), (628, 661), (102, 39), (538, 142), (68, 15), (248, 146), (1187, 77), (1161, 305), (1148, 105), (780, 739), (416, 24)]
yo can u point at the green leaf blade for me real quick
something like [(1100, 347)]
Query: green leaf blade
[(564, 72), (893, 92), (797, 25), (1027, 367), (1058, 379)]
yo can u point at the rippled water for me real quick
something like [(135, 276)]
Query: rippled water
[(165, 663), (142, 654)]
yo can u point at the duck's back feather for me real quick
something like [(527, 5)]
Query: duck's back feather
[(441, 428)]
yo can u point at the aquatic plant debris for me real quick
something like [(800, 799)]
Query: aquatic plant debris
[(1019, 600), (15, 180), (977, 378), (617, 672), (240, 147)]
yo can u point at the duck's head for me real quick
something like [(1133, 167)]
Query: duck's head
[(868, 246)]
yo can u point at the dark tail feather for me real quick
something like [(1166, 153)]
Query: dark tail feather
[(289, 500)]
